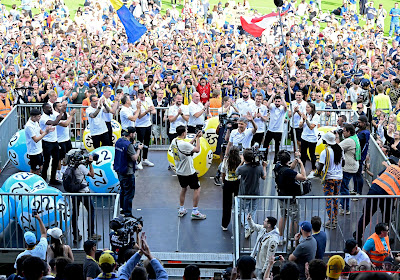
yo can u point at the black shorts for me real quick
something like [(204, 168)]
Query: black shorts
[(65, 147), (191, 180), (36, 161)]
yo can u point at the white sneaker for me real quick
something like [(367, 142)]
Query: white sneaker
[(139, 166), (147, 162)]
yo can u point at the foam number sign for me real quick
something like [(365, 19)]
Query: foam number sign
[(54, 210), (87, 138), (17, 151), (5, 214), (320, 146), (201, 160), (20, 183), (105, 179), (210, 132)]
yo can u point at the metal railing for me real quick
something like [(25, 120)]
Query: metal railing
[(56, 211), (329, 117), (7, 130), (310, 206), (374, 161)]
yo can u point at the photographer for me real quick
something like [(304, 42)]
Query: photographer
[(82, 168), (250, 172), (285, 178), (124, 165)]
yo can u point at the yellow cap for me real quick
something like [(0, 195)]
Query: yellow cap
[(335, 267), (106, 258)]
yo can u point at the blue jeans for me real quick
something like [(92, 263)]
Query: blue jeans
[(248, 206), (127, 193), (393, 26), (358, 179), (344, 189)]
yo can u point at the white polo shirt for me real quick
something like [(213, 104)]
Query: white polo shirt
[(193, 109), (263, 110), (51, 136), (276, 118), (124, 113), (311, 135), (62, 132), (32, 129), (97, 125), (173, 111), (297, 118), (107, 117), (146, 120), (244, 106), (245, 138)]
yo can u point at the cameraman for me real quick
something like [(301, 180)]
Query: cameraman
[(285, 179), (124, 165), (81, 171), (250, 172)]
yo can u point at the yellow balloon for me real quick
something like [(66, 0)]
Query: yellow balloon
[(210, 132), (320, 146), (201, 160), (87, 138)]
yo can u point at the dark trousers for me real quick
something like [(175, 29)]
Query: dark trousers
[(191, 129), (127, 183), (277, 136), (371, 206), (88, 204), (311, 148), (172, 136), (358, 179), (257, 138), (50, 150), (229, 188), (143, 135), (109, 127), (103, 138)]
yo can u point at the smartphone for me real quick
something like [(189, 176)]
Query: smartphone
[(217, 276), (34, 212), (276, 258)]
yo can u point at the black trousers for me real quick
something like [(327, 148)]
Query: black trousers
[(277, 136), (172, 136), (109, 127), (143, 135), (88, 204), (229, 188), (311, 148), (50, 150), (257, 138), (103, 138)]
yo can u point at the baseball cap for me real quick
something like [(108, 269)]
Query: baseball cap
[(55, 232), (247, 263), (388, 260), (363, 119), (306, 226), (107, 257), (350, 244), (129, 130), (335, 267), (30, 238)]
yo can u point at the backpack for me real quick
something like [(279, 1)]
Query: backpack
[(70, 183), (279, 180)]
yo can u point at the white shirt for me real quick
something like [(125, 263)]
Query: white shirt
[(263, 110), (244, 106), (183, 161), (39, 251), (302, 109), (193, 109), (227, 111), (32, 129), (173, 111), (276, 118), (107, 117), (361, 256), (146, 120), (244, 138), (124, 113), (51, 136), (62, 132), (97, 125), (311, 135), (335, 171)]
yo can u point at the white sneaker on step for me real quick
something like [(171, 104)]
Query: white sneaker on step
[(147, 162)]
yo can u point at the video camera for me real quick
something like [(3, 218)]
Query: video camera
[(137, 143), (126, 226), (198, 128), (259, 154), (224, 120), (76, 157)]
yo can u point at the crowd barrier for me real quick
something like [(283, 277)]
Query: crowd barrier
[(16, 217), (329, 117), (309, 206), (7, 130)]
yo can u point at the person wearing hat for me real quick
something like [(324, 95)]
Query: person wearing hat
[(34, 136), (33, 248), (330, 166), (5, 104), (90, 266), (352, 251), (124, 164), (56, 248), (334, 267), (305, 250), (388, 264)]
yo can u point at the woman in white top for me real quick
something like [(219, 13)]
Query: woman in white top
[(331, 162), (310, 123), (56, 249)]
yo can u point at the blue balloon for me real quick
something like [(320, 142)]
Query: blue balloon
[(105, 179), (53, 210), (17, 151), (5, 214), (19, 183)]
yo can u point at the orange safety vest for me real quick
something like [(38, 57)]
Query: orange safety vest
[(5, 107), (389, 180), (380, 252)]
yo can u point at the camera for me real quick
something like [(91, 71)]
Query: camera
[(126, 226), (355, 124), (76, 157), (224, 120), (259, 154), (136, 145), (198, 128)]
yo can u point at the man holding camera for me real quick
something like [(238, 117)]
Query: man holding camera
[(196, 113), (183, 155), (81, 170), (124, 165), (250, 172)]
